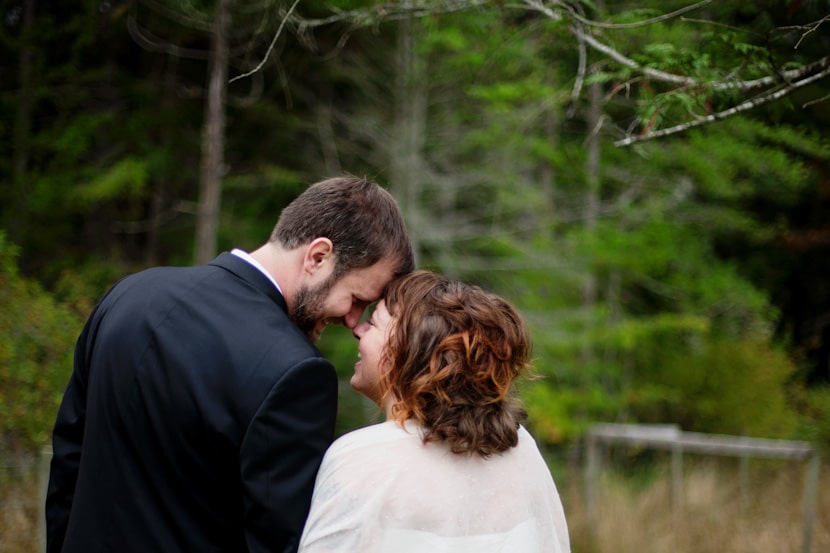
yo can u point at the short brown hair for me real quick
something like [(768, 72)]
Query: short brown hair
[(453, 354), (362, 220)]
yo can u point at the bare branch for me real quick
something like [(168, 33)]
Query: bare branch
[(784, 82), (790, 75), (816, 101), (253, 95), (663, 76), (152, 43), (628, 62), (747, 105), (391, 11), (538, 6), (191, 18), (364, 17), (645, 22), (712, 24), (580, 76), (270, 47), (811, 29), (418, 8)]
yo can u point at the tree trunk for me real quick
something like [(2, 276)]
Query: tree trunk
[(213, 138), (592, 182), (158, 186), (23, 128), (406, 159)]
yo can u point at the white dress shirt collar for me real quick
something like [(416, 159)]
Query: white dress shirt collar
[(247, 257)]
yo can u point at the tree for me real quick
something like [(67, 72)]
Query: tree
[(23, 122), (37, 334), (213, 137), (750, 76), (614, 259), (495, 126)]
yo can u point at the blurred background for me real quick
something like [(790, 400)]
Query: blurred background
[(647, 180)]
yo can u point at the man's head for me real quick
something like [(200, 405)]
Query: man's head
[(362, 220), (352, 240)]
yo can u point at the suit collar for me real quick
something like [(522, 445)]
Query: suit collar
[(251, 275)]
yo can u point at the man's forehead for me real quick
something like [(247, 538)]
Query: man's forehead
[(372, 281)]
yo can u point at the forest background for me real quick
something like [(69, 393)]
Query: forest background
[(649, 181)]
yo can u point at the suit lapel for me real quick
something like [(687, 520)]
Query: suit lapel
[(251, 275)]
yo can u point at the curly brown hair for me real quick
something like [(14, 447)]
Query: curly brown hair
[(453, 354)]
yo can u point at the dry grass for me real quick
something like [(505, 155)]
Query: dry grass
[(719, 510), (19, 506)]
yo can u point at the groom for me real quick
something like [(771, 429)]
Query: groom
[(199, 407)]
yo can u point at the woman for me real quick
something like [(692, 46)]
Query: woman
[(451, 469)]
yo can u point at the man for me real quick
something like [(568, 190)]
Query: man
[(199, 408)]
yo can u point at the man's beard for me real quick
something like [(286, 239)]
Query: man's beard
[(309, 306)]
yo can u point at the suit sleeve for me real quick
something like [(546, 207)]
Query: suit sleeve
[(68, 434), (281, 453), (67, 438)]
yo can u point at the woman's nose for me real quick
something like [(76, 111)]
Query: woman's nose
[(359, 329)]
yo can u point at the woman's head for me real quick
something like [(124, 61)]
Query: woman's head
[(451, 353)]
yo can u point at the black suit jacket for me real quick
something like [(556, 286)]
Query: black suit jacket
[(195, 419)]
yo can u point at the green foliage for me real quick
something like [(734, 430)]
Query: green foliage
[(648, 278), (662, 293), (36, 339), (750, 162), (127, 178), (667, 304), (252, 203), (720, 386), (813, 404), (561, 414)]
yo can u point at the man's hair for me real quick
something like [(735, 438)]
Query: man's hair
[(362, 220), (452, 355)]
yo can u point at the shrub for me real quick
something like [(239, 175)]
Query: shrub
[(37, 336)]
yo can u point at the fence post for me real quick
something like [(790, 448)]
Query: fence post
[(743, 482), (591, 476), (676, 483), (43, 482), (810, 491)]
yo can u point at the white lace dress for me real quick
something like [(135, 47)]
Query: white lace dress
[(380, 489)]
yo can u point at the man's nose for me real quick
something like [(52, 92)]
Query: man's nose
[(352, 318)]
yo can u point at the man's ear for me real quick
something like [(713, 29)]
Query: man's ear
[(318, 254)]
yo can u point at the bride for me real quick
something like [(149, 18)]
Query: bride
[(452, 468)]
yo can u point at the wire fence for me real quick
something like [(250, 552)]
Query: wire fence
[(24, 478), (671, 438)]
